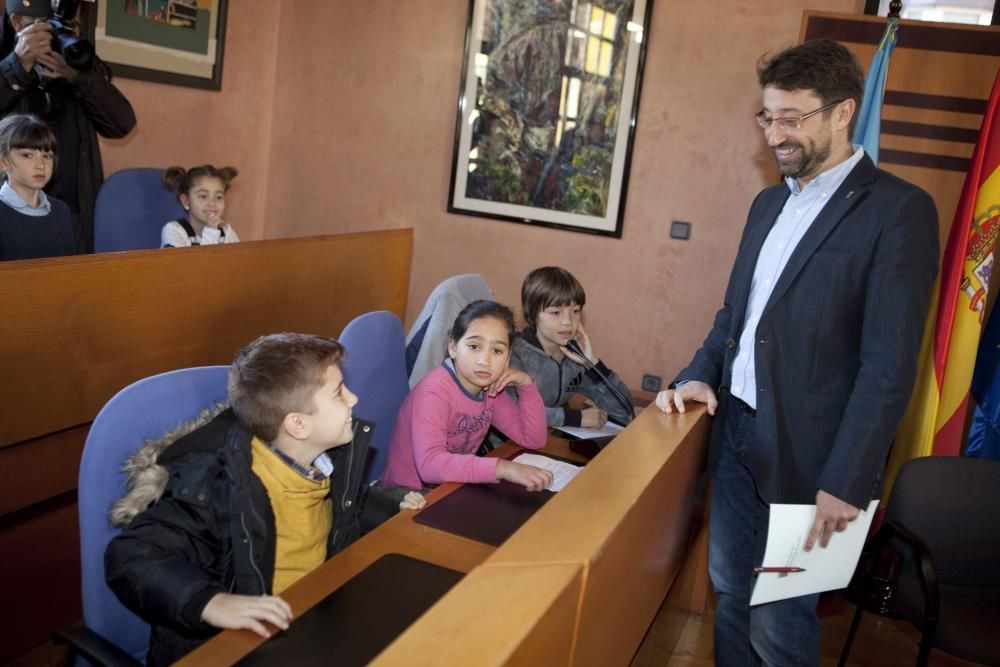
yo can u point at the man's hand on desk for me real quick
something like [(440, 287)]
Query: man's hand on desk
[(247, 612), (832, 516), (414, 500), (530, 477), (669, 400)]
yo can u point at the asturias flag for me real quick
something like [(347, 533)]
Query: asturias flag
[(935, 420), (870, 117)]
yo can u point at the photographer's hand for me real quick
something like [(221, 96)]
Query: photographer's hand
[(33, 41), (54, 66)]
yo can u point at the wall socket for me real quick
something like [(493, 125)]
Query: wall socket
[(651, 383), (680, 230)]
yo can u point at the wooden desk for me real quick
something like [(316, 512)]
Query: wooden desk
[(400, 534), (623, 521), (579, 583)]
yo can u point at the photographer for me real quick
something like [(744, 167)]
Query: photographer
[(76, 103)]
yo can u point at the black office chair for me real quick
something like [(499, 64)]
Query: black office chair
[(942, 523)]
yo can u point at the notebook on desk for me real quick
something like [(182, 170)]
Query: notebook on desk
[(359, 619)]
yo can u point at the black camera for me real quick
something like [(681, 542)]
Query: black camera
[(78, 53)]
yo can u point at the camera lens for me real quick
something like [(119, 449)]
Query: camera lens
[(78, 53)]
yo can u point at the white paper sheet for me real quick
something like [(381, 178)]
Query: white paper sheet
[(562, 472), (609, 429), (825, 569)]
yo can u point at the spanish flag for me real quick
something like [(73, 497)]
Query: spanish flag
[(935, 419)]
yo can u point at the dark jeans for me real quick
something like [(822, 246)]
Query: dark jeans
[(779, 633)]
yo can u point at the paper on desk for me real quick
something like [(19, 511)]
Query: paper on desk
[(825, 569), (609, 429), (562, 472)]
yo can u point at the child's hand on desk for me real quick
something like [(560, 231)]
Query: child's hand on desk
[(593, 417), (414, 500), (530, 477), (246, 612)]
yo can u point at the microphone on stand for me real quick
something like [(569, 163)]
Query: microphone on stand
[(574, 347)]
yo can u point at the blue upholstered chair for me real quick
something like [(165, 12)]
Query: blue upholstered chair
[(146, 409), (132, 207), (375, 370)]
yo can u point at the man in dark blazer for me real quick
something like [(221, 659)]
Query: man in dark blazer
[(811, 360)]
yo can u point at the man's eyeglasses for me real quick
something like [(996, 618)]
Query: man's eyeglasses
[(789, 123)]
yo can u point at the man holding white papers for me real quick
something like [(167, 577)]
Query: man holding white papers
[(811, 360)]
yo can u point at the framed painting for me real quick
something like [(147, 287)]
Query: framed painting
[(178, 42), (547, 110)]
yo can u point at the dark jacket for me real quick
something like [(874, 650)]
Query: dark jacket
[(92, 105), (837, 343), (212, 531)]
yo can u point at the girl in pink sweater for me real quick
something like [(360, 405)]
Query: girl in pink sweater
[(447, 415)]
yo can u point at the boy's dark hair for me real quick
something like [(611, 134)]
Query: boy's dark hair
[(179, 180), (279, 374), (478, 310), (549, 286), (21, 130), (821, 65)]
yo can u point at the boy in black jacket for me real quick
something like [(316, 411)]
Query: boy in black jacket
[(246, 504)]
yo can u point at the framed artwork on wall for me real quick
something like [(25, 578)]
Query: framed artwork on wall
[(547, 109), (178, 42)]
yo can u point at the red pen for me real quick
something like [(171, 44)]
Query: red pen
[(779, 570)]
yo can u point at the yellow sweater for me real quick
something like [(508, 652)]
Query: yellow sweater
[(303, 516)]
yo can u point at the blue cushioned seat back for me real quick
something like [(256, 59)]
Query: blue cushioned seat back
[(144, 410), (132, 207), (375, 370)]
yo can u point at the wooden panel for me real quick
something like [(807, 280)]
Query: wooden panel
[(73, 331), (76, 330), (938, 83), (41, 574), (687, 595), (498, 615), (926, 145), (22, 482), (921, 35), (943, 117), (626, 517)]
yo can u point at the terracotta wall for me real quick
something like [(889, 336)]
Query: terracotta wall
[(381, 105), (188, 126), (341, 117)]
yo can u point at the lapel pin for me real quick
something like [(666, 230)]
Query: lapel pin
[(850, 194)]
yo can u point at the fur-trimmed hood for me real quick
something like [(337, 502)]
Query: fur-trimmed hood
[(147, 479)]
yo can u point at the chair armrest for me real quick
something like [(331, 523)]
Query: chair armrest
[(85, 642), (928, 578)]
